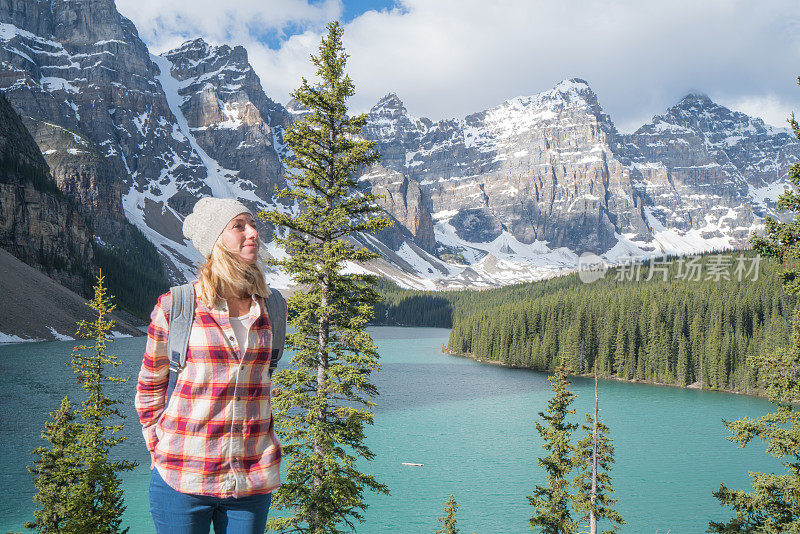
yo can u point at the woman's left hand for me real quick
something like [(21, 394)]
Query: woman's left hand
[(274, 391)]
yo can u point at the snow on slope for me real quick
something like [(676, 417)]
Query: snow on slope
[(769, 193), (218, 177), (11, 338), (141, 207)]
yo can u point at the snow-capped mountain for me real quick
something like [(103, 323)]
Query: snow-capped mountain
[(512, 193), (708, 174), (132, 136), (219, 96), (522, 189)]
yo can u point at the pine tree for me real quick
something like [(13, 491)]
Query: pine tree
[(552, 501), (606, 345), (326, 400), (619, 351), (773, 505), (698, 345), (683, 362), (57, 474), (99, 496), (594, 457), (449, 520)]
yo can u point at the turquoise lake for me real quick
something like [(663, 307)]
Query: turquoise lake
[(472, 425)]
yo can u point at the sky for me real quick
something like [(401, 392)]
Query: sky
[(451, 58)]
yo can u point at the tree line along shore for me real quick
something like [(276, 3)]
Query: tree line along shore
[(649, 322)]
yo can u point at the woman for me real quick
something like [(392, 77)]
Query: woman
[(214, 454)]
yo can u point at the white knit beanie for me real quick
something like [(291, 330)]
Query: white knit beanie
[(208, 219)]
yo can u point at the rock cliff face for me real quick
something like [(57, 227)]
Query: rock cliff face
[(84, 84), (61, 70), (38, 224), (405, 201), (542, 168), (550, 172)]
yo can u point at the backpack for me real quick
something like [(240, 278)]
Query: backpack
[(180, 325)]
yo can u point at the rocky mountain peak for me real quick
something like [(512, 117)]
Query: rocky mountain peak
[(193, 48), (198, 51), (573, 91), (569, 98), (695, 99), (85, 22), (697, 106), (698, 113), (390, 106), (567, 93), (711, 172), (573, 85)]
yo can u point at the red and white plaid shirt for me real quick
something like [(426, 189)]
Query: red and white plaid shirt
[(216, 436)]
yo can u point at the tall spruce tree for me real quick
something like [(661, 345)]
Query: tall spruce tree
[(594, 458), (99, 497), (773, 505), (551, 502), (57, 474), (326, 400), (448, 521)]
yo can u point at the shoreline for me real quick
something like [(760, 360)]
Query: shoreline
[(695, 385), (10, 339)]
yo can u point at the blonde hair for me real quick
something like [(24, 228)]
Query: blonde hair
[(225, 274)]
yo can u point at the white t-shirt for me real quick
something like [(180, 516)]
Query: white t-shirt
[(241, 332)]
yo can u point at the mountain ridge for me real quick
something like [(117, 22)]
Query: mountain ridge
[(511, 193), (626, 166)]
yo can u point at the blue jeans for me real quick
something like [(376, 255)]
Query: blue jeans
[(182, 513)]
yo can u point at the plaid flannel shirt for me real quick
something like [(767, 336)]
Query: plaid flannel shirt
[(216, 436)]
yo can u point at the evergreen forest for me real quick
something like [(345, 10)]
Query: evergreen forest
[(681, 321), (134, 272)]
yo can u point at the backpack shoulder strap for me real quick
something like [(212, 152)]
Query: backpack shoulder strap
[(276, 308), (180, 325)]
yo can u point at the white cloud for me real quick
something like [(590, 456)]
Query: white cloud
[(772, 109), (165, 24), (448, 58)]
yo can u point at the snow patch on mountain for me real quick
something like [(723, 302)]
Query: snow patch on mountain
[(60, 337), (505, 260), (9, 31), (11, 338), (181, 255), (52, 83), (218, 178), (769, 193)]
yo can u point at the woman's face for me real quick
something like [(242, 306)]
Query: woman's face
[(240, 237)]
